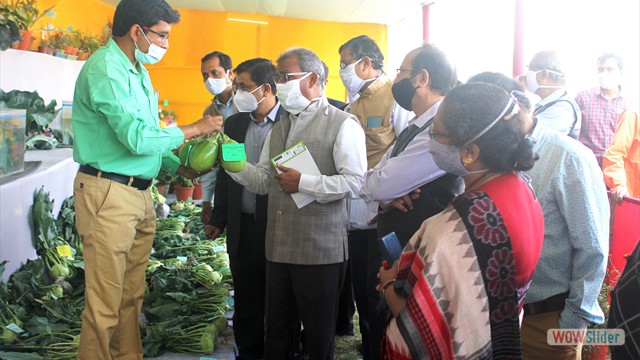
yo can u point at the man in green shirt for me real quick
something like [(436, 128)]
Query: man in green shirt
[(120, 148)]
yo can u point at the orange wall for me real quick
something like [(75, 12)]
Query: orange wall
[(177, 76), (88, 16)]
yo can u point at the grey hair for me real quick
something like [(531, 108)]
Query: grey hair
[(308, 62), (549, 60)]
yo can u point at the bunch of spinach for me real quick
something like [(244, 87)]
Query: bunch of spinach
[(186, 299)]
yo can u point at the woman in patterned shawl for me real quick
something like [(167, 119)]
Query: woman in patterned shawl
[(458, 288)]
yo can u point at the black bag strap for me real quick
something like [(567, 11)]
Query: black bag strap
[(544, 107)]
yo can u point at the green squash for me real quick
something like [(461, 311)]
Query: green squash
[(203, 155), (184, 152), (230, 166)]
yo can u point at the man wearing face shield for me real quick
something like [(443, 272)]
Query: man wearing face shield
[(306, 248), (120, 148), (407, 184), (216, 68), (556, 109), (602, 106), (242, 212)]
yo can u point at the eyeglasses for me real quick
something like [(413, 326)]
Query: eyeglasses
[(244, 88), (399, 70), (162, 37), (344, 65), (283, 78)]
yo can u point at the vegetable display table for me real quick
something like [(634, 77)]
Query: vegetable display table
[(56, 172)]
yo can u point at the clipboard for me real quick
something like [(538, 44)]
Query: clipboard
[(298, 157)]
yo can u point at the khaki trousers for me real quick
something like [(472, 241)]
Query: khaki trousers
[(116, 224), (533, 335)]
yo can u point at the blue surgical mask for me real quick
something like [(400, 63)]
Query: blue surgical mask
[(152, 56)]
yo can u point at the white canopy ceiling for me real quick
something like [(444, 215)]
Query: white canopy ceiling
[(386, 12)]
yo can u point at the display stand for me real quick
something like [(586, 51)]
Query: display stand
[(55, 172), (52, 77)]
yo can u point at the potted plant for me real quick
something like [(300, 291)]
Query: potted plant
[(26, 14), (163, 181), (184, 188), (106, 34), (57, 42), (197, 190), (9, 32), (45, 46), (88, 44), (72, 40)]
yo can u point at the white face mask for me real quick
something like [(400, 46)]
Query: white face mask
[(608, 81), (532, 81), (350, 79), (291, 97), (216, 86), (152, 56), (245, 101)]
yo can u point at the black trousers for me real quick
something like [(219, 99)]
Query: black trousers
[(346, 304), (376, 308), (248, 269), (364, 259), (307, 293)]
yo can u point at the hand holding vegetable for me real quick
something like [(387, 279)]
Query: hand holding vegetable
[(289, 179), (207, 125), (190, 173)]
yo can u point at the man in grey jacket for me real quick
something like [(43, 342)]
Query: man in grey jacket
[(306, 248)]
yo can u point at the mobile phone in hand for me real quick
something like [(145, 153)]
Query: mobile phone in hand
[(390, 248)]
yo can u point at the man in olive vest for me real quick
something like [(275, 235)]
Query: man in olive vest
[(382, 119), (306, 248)]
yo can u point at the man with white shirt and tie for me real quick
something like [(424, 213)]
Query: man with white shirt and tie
[(406, 184)]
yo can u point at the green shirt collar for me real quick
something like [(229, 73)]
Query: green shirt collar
[(122, 57)]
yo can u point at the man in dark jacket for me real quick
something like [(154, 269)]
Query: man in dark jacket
[(242, 212)]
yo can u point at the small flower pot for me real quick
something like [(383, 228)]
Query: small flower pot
[(82, 56), (197, 191), (163, 189), (70, 50), (183, 193), (26, 40)]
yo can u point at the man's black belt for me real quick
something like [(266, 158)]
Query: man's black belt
[(138, 183), (554, 303)]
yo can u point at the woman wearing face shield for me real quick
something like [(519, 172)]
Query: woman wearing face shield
[(458, 289)]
